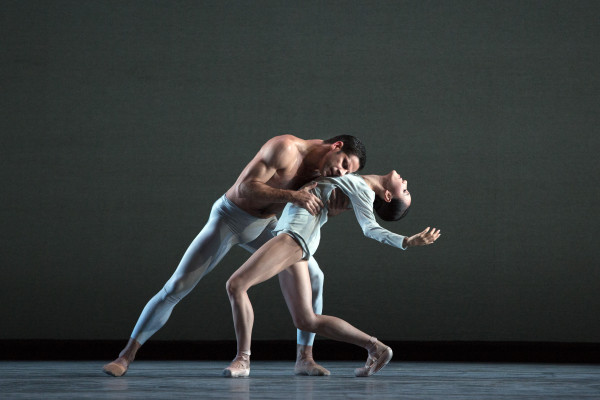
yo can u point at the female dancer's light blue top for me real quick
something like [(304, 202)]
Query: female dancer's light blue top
[(306, 228)]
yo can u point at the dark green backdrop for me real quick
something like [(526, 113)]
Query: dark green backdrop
[(123, 121)]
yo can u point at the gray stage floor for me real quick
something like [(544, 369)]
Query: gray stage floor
[(275, 380)]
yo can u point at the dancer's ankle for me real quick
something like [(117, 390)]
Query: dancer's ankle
[(304, 352), (372, 345), (244, 355), (130, 350)]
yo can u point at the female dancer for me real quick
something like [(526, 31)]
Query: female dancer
[(298, 235)]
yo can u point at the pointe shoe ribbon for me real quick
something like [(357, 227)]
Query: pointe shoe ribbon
[(375, 363)]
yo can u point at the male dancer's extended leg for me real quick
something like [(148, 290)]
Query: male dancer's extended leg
[(305, 363), (205, 252)]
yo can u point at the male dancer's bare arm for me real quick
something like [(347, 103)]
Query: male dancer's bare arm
[(276, 155)]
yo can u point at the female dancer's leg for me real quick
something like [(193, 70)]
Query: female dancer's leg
[(296, 288), (279, 254), (295, 285), (272, 258)]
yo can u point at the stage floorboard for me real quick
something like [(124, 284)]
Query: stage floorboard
[(275, 380)]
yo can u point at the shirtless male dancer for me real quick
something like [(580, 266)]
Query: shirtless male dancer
[(245, 215)]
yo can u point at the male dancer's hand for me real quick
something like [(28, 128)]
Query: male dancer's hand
[(424, 238), (303, 198), (338, 203)]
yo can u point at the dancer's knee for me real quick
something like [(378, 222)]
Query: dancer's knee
[(317, 280), (234, 287), (317, 291), (178, 288), (317, 277), (305, 322)]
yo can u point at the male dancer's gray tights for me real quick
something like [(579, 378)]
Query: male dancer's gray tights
[(228, 225)]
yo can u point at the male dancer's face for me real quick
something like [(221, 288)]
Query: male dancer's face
[(338, 163)]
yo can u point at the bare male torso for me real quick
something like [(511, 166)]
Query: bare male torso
[(282, 166)]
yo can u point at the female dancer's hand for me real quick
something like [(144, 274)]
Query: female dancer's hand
[(424, 238)]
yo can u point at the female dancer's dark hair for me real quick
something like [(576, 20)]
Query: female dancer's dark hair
[(392, 211)]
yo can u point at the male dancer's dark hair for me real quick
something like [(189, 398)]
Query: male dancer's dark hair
[(352, 146)]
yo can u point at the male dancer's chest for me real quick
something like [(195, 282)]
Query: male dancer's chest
[(283, 180)]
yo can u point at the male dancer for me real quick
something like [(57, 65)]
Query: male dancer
[(245, 215)]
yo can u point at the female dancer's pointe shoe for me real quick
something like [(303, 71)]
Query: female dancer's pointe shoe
[(114, 368), (239, 367), (375, 362)]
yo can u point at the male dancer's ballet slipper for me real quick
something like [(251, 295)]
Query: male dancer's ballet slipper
[(310, 368), (239, 367), (114, 369), (375, 363), (305, 363)]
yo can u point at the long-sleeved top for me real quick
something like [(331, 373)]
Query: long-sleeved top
[(306, 228)]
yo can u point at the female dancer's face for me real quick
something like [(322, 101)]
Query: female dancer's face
[(398, 187)]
